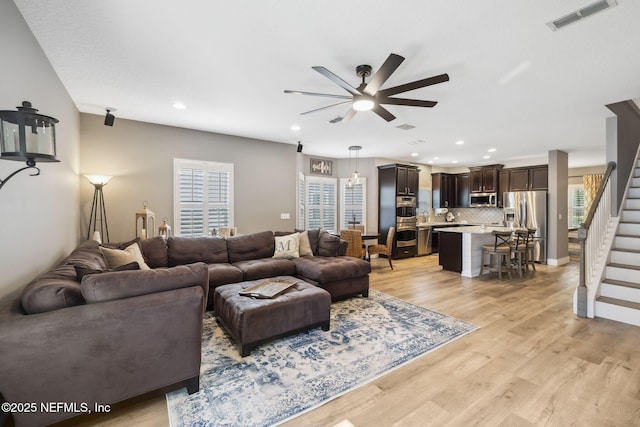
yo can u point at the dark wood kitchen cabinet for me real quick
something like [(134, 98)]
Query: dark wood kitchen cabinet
[(443, 189), (450, 253), (529, 178), (407, 180), (484, 179), (462, 190)]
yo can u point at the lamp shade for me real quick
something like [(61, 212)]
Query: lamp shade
[(27, 136), (99, 179)]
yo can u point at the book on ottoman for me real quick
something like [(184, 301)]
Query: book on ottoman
[(267, 289)]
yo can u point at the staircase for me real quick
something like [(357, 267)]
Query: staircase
[(620, 289)]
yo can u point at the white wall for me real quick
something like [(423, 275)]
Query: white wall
[(38, 215)]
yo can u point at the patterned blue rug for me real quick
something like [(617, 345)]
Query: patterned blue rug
[(282, 379)]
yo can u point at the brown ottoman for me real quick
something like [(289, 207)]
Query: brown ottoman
[(250, 321)]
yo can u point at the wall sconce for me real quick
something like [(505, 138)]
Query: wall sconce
[(146, 231), (98, 211), (26, 136)]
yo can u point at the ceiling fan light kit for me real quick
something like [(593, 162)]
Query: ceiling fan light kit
[(370, 96)]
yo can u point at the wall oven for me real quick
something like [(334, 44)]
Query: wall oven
[(406, 226)]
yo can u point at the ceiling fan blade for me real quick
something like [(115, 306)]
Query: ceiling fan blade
[(408, 102), (383, 112), (347, 117), (326, 95), (382, 75), (414, 85), (324, 108), (337, 80)]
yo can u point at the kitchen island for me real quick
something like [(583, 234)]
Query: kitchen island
[(461, 247)]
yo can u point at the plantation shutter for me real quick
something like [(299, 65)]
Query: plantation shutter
[(301, 201), (204, 197), (321, 203), (353, 203)]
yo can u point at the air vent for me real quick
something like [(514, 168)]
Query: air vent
[(336, 120), (405, 126), (580, 14), (416, 142)]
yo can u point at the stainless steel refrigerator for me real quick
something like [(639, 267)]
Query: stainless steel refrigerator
[(529, 209)]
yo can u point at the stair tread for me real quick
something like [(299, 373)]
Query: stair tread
[(633, 251), (622, 283), (626, 266), (620, 302)]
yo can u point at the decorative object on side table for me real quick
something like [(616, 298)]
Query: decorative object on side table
[(164, 230), (27, 136), (98, 210), (147, 217)]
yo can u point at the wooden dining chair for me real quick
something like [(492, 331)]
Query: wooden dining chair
[(386, 249), (355, 246)]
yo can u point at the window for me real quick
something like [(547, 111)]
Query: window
[(353, 203), (576, 212), (320, 207), (203, 197)]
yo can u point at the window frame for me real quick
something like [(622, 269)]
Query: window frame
[(344, 221), (333, 182)]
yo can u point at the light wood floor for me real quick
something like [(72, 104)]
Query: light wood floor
[(532, 363)]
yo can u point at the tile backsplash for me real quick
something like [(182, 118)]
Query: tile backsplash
[(472, 215)]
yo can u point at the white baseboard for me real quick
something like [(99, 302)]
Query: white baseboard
[(557, 262)]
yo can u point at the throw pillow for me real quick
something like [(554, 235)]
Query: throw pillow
[(82, 271), (287, 246), (117, 257), (305, 244)]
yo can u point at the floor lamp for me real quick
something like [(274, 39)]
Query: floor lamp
[(98, 212)]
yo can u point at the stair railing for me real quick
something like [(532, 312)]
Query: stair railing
[(591, 235)]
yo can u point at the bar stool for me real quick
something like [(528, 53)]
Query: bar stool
[(531, 249), (519, 250), (501, 250)]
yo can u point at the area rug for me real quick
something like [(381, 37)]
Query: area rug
[(368, 338)]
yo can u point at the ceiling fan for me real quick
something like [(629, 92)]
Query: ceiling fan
[(369, 96)]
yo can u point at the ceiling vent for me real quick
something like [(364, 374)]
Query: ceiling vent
[(580, 14), (336, 120), (405, 126)]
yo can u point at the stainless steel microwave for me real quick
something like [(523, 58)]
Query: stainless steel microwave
[(483, 200)]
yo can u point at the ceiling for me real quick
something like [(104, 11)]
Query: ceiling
[(515, 86)]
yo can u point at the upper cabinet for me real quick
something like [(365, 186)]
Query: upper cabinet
[(443, 190), (504, 178), (407, 180), (529, 178), (403, 179), (484, 179), (462, 190)]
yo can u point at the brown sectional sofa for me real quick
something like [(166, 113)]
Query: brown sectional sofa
[(99, 340)]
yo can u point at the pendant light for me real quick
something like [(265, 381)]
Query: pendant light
[(355, 176)]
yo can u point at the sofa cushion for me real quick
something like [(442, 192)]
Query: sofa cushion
[(154, 251), (125, 284), (287, 246), (81, 271), (314, 239), (329, 269), (251, 246), (57, 288), (117, 257), (263, 268), (87, 255), (328, 244), (304, 248), (187, 250), (223, 274)]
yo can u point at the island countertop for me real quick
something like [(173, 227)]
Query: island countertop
[(473, 229)]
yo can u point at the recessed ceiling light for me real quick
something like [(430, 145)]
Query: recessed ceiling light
[(436, 158), (430, 161), (414, 154), (491, 150), (459, 142), (486, 157), (454, 161), (295, 128), (179, 106)]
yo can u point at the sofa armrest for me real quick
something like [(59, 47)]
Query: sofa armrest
[(126, 284)]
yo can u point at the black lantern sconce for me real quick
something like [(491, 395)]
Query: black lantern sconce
[(26, 136)]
